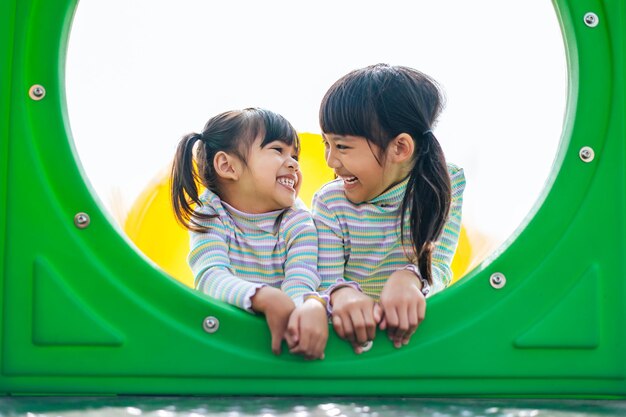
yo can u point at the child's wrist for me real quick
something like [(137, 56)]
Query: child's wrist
[(317, 298), (266, 297), (423, 286), (257, 299), (322, 299), (342, 283)]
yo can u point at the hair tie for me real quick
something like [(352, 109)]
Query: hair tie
[(426, 132)]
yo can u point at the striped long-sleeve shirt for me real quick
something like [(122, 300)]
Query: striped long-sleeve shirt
[(361, 242), (242, 252)]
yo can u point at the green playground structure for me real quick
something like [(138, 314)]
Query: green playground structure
[(83, 312)]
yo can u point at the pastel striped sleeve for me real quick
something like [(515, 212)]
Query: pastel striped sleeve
[(211, 267), (447, 243), (331, 258), (301, 275)]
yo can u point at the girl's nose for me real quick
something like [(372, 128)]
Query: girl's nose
[(331, 161), (293, 163)]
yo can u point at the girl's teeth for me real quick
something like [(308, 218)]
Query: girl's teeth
[(350, 180), (286, 181)]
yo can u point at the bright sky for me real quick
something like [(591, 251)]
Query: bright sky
[(141, 73)]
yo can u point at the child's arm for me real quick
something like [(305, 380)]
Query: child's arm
[(212, 269), (331, 259), (353, 315), (301, 275), (211, 265), (446, 245), (277, 308), (307, 331), (402, 298), (404, 306)]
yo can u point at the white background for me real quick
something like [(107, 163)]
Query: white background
[(142, 73)]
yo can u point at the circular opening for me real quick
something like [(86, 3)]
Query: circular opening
[(141, 74)]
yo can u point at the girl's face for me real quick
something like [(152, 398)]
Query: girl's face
[(353, 159), (270, 179)]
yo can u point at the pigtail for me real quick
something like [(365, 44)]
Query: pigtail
[(184, 184), (428, 199)]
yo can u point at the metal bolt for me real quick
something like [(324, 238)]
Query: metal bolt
[(210, 324), (82, 220), (591, 20), (586, 154), (37, 92), (497, 280), (367, 345)]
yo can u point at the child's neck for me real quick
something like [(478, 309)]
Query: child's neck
[(240, 201)]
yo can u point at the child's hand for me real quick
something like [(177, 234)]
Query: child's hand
[(354, 317), (277, 307), (307, 331), (403, 306)]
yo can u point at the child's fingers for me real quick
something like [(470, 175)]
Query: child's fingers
[(391, 317), (277, 339), (403, 323), (321, 346), (317, 349), (383, 323), (310, 349), (297, 349), (416, 316), (402, 335), (370, 327), (305, 343), (338, 326), (357, 347), (292, 334), (413, 323), (378, 313), (421, 312), (359, 326), (348, 329), (397, 325)]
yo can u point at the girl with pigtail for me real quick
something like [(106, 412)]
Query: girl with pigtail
[(251, 245), (389, 224)]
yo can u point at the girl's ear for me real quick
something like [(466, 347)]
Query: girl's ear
[(226, 166), (402, 148)]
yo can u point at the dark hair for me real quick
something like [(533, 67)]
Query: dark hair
[(233, 132), (380, 102)]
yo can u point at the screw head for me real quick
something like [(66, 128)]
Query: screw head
[(82, 220), (586, 154), (37, 92), (367, 345), (591, 19), (497, 280), (210, 324)]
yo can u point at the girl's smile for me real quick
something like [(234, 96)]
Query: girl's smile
[(361, 166), (289, 181), (270, 179)]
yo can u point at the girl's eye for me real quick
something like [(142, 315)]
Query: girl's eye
[(341, 147), (278, 148), (295, 157)]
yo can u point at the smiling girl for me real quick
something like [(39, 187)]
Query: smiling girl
[(389, 224), (251, 246)]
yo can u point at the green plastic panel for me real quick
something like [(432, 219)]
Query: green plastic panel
[(83, 313)]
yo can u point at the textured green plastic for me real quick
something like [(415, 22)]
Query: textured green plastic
[(84, 313)]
